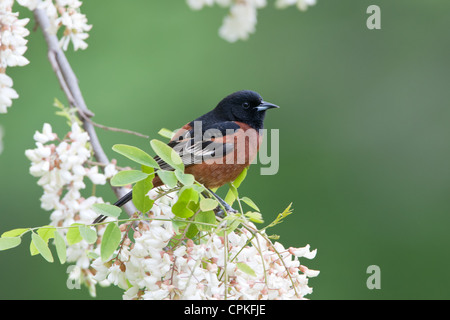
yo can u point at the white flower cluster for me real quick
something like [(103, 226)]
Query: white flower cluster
[(242, 19), (246, 268), (64, 14), (61, 168), (301, 4), (12, 49)]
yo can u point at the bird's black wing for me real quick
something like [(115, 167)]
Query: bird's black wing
[(209, 145)]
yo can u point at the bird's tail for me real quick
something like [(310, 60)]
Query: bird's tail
[(119, 203)]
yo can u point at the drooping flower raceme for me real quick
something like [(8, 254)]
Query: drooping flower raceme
[(12, 49), (13, 44), (242, 18), (62, 168), (64, 14)]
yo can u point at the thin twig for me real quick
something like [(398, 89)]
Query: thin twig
[(101, 126), (69, 84)]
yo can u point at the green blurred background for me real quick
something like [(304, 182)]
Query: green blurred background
[(364, 128)]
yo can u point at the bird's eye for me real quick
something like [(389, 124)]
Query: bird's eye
[(246, 105)]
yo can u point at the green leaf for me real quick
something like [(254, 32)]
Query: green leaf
[(181, 207), (108, 210), (60, 247), (88, 234), (232, 195), (110, 241), (9, 242), (123, 178), (168, 178), (73, 235), (245, 268), (250, 203), (254, 217), (208, 204), (166, 133), (185, 178), (42, 247), (167, 154), (14, 233), (136, 155), (191, 231), (281, 216), (205, 217), (177, 225), (241, 177), (46, 233), (92, 255), (140, 190)]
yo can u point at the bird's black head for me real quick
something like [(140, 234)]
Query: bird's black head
[(244, 106)]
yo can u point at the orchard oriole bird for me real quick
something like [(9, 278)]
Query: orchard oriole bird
[(217, 146)]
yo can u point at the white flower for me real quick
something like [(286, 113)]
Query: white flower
[(64, 14), (12, 41), (199, 4), (30, 4), (76, 28), (95, 176), (303, 252), (7, 93), (12, 49), (240, 23), (46, 135), (301, 4)]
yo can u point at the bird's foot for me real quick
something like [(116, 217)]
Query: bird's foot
[(221, 214)]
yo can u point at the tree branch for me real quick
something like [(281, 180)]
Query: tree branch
[(69, 84)]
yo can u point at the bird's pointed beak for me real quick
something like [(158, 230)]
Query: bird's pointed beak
[(265, 106)]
